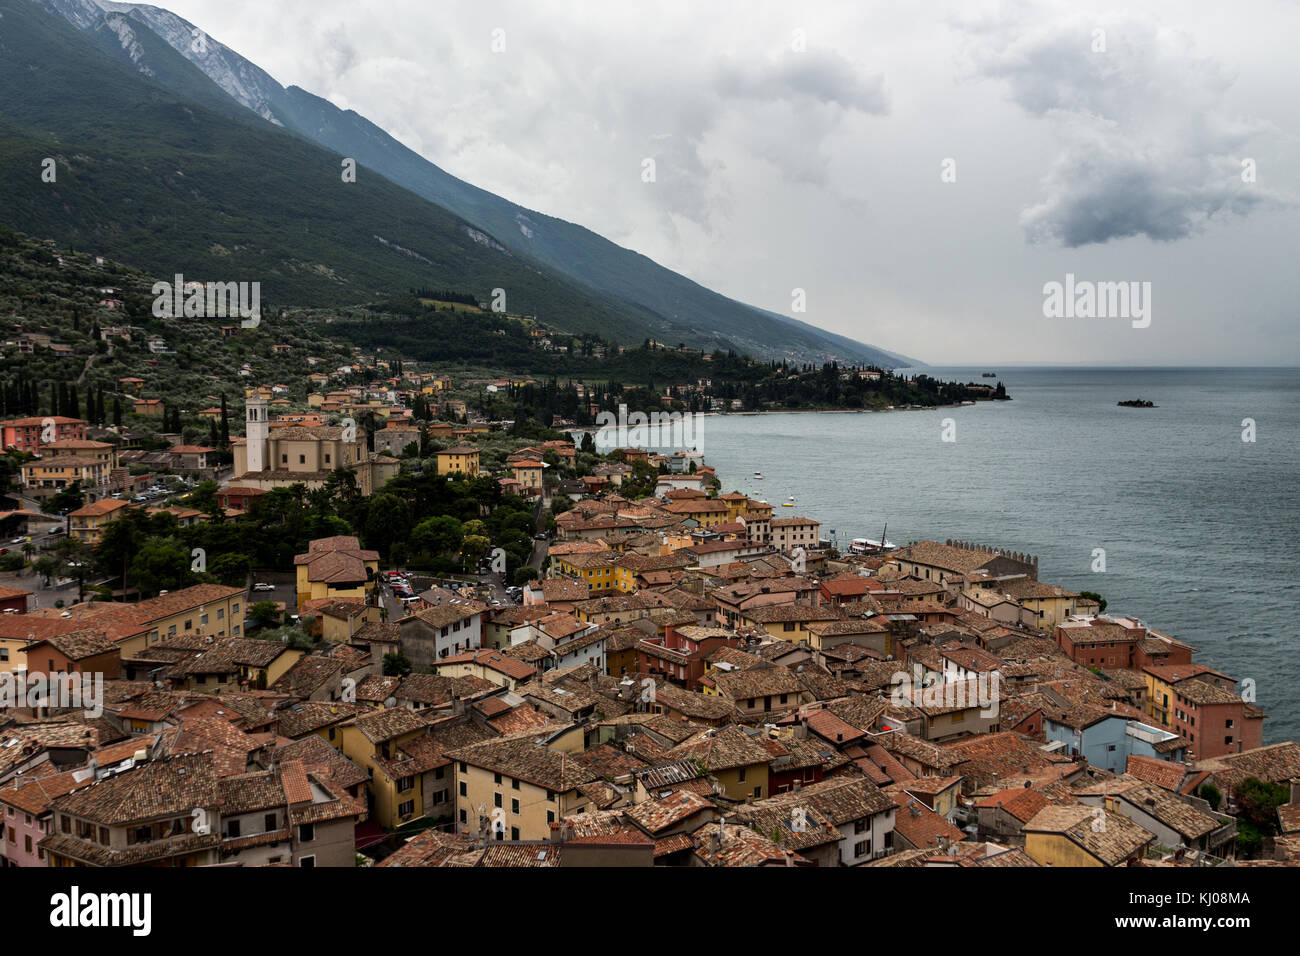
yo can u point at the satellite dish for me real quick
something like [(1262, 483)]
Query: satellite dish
[(391, 702)]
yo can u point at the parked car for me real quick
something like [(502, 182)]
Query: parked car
[(263, 586)]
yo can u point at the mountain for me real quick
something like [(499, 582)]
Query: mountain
[(657, 301), (159, 180)]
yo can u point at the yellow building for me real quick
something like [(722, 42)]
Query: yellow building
[(707, 512), (1049, 603), (786, 622), (600, 569), (337, 569), (1077, 835), (458, 459), (394, 746), (83, 448), (738, 762), (522, 782), (53, 474), (88, 522), (527, 473), (201, 609)]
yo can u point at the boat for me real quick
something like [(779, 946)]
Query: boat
[(789, 503), (990, 375), (758, 475), (870, 545)]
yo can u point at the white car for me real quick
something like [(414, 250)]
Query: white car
[(263, 586)]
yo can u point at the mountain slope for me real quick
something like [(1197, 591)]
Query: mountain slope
[(154, 178), (674, 307)]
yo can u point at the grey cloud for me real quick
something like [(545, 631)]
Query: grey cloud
[(1146, 144), (821, 77)]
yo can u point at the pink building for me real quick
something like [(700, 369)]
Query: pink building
[(26, 817)]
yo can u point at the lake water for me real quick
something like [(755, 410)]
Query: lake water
[(1198, 526)]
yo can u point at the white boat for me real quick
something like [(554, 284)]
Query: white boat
[(758, 475), (871, 545)]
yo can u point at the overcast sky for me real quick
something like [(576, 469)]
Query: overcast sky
[(804, 146)]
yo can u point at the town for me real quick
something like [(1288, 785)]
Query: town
[(380, 629)]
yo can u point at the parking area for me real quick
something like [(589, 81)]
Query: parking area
[(281, 586)]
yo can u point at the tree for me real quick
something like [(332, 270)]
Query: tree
[(388, 520), (473, 547), (396, 665), (265, 614), (47, 566), (76, 561), (66, 499), (230, 569), (1257, 803), (1211, 795), (440, 535), (161, 564), (524, 574)]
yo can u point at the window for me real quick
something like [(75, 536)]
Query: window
[(514, 806), (464, 792), (307, 863), (232, 828), (514, 834), (496, 799), (514, 784), (406, 809), (269, 822), (405, 784), (306, 833), (496, 778)]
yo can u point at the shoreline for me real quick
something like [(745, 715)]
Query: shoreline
[(805, 411)]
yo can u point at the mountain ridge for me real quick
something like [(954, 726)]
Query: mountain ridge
[(655, 301), (615, 273)]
